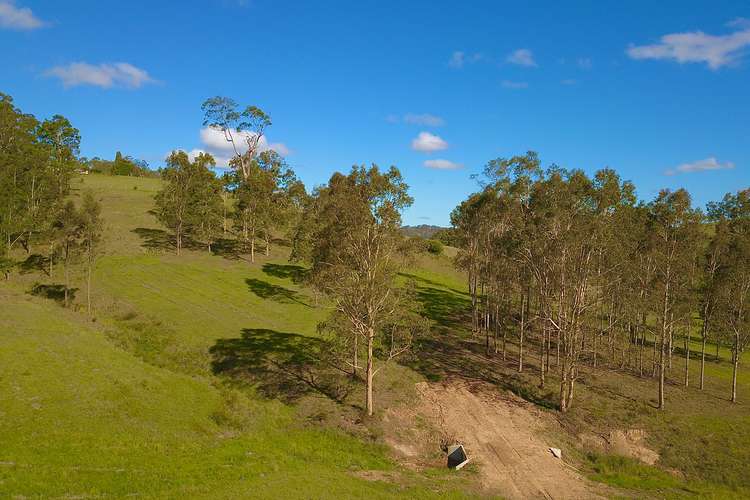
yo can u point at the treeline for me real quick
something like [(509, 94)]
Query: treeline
[(591, 275), (121, 165), (37, 161)]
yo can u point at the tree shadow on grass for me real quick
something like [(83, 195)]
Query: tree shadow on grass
[(228, 248), (155, 239), (433, 283), (285, 366), (277, 293), (286, 271), (34, 263), (53, 292), (445, 308)]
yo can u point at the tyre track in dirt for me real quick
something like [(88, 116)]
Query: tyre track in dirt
[(502, 435)]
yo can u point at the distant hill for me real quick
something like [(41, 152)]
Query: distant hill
[(423, 230)]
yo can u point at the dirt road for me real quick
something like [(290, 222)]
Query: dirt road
[(502, 435)]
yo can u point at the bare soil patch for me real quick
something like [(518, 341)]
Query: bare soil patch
[(502, 435)]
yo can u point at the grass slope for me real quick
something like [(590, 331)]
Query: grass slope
[(138, 403)]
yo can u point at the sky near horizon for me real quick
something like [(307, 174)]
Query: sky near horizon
[(659, 91)]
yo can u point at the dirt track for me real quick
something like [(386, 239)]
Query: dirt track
[(502, 435)]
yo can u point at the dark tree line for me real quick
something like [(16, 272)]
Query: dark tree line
[(37, 161), (577, 264)]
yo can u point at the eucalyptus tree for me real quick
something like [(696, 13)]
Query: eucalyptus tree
[(713, 258), (91, 237), (237, 126), (673, 228), (733, 277), (187, 194), (68, 231), (353, 241)]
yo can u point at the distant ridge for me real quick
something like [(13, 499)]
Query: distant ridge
[(422, 230)]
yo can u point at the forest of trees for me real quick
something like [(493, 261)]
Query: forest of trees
[(578, 268), (37, 161)]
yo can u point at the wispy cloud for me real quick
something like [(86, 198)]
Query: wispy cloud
[(18, 18), (700, 166), (509, 84), (427, 143), (458, 59), (522, 57), (440, 164), (584, 63), (102, 75), (569, 81), (698, 47), (424, 119)]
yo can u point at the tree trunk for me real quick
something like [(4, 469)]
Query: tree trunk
[(542, 354), (687, 355), (88, 286), (355, 356), (65, 266), (703, 358), (370, 339), (735, 367), (252, 245), (268, 245), (520, 342)]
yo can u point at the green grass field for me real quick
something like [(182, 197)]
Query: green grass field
[(204, 376)]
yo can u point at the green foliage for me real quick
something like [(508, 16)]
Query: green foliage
[(37, 160), (434, 247), (190, 202)]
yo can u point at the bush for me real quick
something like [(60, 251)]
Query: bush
[(434, 247)]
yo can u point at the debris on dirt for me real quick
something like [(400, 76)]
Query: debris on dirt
[(457, 457), (556, 452)]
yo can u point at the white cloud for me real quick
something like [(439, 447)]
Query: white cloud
[(441, 164), (456, 60), (18, 18), (522, 57), (103, 75), (508, 84), (700, 166), (584, 63), (214, 142), (427, 143), (697, 47), (424, 119), (569, 81)]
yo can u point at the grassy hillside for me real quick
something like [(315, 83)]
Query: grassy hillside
[(204, 376), (140, 402)]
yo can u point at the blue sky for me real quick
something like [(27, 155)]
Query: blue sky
[(660, 91)]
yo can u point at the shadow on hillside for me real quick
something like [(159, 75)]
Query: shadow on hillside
[(433, 283), (53, 292), (34, 263), (445, 308), (155, 239), (286, 271), (228, 248), (285, 366), (277, 293)]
